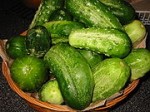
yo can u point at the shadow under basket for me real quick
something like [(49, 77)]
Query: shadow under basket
[(48, 107)]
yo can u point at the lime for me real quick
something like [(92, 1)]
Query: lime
[(16, 47), (29, 73)]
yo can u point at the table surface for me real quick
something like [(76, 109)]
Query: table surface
[(14, 19)]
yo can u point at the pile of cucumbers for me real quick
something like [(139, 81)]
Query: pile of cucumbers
[(89, 48)]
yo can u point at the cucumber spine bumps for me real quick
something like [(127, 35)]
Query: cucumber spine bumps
[(73, 74), (111, 42), (92, 13)]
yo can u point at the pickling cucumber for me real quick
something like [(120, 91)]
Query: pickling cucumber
[(44, 11), (61, 29), (123, 10), (92, 58), (38, 41), (16, 47), (139, 62), (136, 31), (110, 76), (111, 42), (61, 14), (73, 74), (50, 92), (92, 13)]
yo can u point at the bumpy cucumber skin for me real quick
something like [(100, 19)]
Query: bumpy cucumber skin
[(61, 14), (50, 92), (38, 41), (92, 58), (121, 9), (92, 13), (61, 29), (139, 62), (45, 10), (111, 42), (110, 77), (73, 74)]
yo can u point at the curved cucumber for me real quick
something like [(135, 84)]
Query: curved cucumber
[(111, 42), (73, 74), (92, 13)]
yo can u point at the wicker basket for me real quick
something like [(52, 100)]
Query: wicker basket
[(47, 107)]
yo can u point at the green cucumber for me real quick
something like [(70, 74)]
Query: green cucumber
[(92, 58), (16, 47), (139, 62), (136, 31), (44, 11), (60, 14), (61, 29), (123, 10), (92, 13), (73, 74), (111, 42), (38, 41), (51, 93), (110, 76)]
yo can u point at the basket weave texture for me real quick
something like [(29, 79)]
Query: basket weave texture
[(47, 107)]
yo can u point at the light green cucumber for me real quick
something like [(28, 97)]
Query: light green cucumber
[(110, 77), (111, 42), (139, 61), (51, 93), (136, 31)]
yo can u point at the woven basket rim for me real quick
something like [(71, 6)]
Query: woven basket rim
[(27, 97)]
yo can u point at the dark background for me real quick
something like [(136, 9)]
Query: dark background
[(14, 19)]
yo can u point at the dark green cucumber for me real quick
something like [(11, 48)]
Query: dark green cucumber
[(44, 11), (61, 14), (61, 29), (16, 47), (123, 10), (110, 77), (92, 13), (73, 74), (111, 42), (38, 41)]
